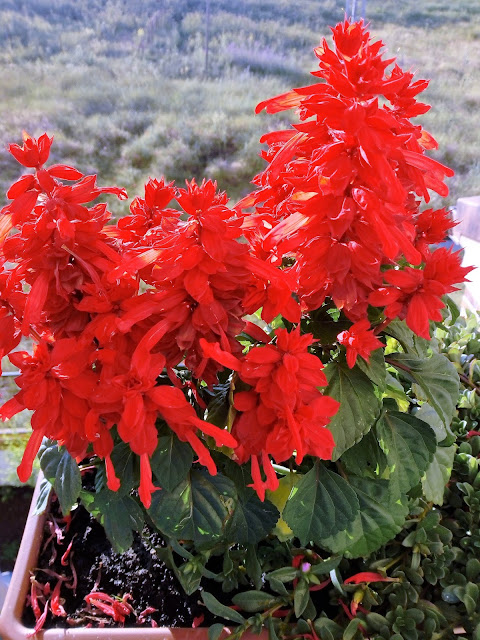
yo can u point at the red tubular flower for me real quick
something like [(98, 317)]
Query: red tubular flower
[(415, 294), (283, 412), (369, 576), (33, 153), (181, 418), (338, 200), (199, 273), (46, 383), (149, 214), (359, 341)]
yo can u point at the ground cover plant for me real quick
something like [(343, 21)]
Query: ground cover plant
[(257, 382)]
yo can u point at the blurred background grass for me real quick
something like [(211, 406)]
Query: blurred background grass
[(125, 88)]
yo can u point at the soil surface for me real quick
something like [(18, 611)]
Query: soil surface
[(14, 506), (157, 599)]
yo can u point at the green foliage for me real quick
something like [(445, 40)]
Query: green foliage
[(359, 405), (197, 509), (434, 379), (171, 461), (120, 516), (61, 470), (409, 445), (438, 473), (380, 517), (388, 482), (252, 520), (320, 505)]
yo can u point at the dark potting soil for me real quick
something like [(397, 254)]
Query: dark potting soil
[(138, 572), (14, 505)]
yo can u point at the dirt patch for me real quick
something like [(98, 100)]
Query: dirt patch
[(14, 506), (157, 599)]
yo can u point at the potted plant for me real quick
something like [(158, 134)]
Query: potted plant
[(258, 385)]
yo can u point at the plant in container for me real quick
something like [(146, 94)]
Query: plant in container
[(251, 393)]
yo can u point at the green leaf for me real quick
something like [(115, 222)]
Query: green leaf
[(428, 414), (219, 405), (272, 634), (171, 461), (219, 609), (410, 342), (436, 381), (409, 445), (321, 504), (324, 567), (366, 458), (359, 405), (61, 470), (215, 631), (284, 574), (123, 461), (49, 456), (438, 474), (301, 596), (380, 518), (375, 370), (352, 630), (252, 519), (253, 601), (197, 509), (68, 482), (453, 309), (327, 629), (253, 566), (43, 497), (395, 390), (119, 515)]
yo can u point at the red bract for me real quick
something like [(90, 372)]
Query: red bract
[(55, 383), (33, 153), (359, 341), (199, 274), (283, 412), (98, 354), (415, 294)]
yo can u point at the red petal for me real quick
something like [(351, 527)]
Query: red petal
[(368, 576), (64, 172), (280, 103), (20, 186), (35, 301), (256, 332), (24, 469), (214, 352)]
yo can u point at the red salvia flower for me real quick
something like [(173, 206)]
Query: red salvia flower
[(359, 341), (339, 198), (283, 412)]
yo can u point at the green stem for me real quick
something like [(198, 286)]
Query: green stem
[(281, 470)]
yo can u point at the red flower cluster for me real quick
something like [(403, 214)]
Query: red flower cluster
[(75, 287), (341, 194), (283, 411)]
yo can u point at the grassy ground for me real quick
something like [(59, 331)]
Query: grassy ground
[(125, 93)]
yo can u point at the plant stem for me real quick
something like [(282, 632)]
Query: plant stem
[(466, 381), (398, 365)]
